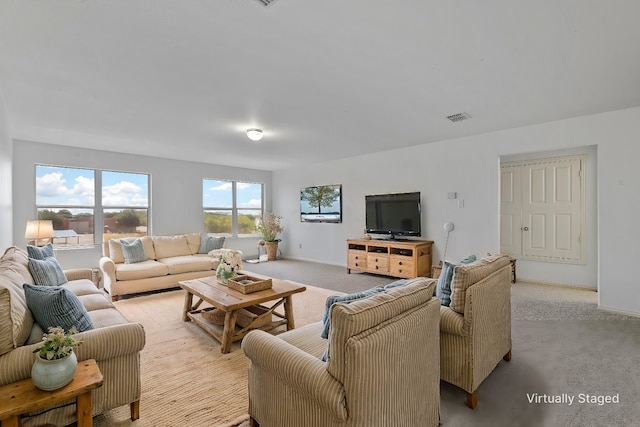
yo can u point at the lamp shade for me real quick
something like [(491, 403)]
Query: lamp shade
[(39, 229), (254, 134)]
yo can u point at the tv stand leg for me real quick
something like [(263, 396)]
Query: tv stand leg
[(348, 270)]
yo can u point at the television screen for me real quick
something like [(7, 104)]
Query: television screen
[(321, 204), (396, 214)]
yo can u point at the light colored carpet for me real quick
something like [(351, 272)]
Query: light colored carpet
[(562, 343), (185, 379)]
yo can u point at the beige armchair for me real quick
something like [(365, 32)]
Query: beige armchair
[(382, 367), (477, 336)]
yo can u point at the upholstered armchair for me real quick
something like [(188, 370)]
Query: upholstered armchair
[(382, 365), (475, 330)]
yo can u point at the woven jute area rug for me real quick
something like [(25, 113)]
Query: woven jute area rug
[(186, 381)]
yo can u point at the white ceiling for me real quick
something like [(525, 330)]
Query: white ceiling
[(325, 79)]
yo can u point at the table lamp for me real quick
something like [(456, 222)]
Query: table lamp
[(38, 231)]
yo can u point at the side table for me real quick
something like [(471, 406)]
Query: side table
[(23, 396)]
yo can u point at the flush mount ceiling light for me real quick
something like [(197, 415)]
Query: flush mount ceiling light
[(254, 134)]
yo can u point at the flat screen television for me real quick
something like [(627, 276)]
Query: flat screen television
[(396, 214), (321, 203)]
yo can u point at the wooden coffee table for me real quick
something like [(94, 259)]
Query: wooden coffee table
[(219, 296)]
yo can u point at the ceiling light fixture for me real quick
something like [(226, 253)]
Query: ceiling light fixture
[(254, 134)]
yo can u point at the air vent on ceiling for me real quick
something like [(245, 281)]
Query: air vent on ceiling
[(458, 117), (266, 3)]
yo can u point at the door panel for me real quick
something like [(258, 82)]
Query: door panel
[(550, 206)]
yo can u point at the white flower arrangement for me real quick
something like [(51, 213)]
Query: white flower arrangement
[(230, 259)]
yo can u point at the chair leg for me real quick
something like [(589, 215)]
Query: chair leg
[(135, 410), (253, 422), (507, 356), (472, 400)]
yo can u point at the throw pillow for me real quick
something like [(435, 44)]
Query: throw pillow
[(443, 287), (56, 306), (209, 243), (47, 272), (40, 252), (333, 299), (133, 251)]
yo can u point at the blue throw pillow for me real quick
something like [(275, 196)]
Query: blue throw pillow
[(209, 243), (56, 306), (133, 252), (46, 272), (326, 320), (40, 252), (443, 287)]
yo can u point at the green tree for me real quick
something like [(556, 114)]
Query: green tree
[(56, 219), (319, 197), (127, 220)]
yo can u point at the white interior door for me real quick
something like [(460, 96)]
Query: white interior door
[(551, 210)]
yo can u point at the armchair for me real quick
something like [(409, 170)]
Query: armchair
[(382, 365), (475, 331)]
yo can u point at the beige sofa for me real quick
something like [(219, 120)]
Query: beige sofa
[(475, 330), (115, 343), (170, 259), (382, 367)]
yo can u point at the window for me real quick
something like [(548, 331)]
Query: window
[(67, 196), (231, 208), (125, 203)]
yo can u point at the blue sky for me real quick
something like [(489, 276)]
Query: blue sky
[(75, 187), (217, 194)]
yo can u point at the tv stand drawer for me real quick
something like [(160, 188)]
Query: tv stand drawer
[(406, 259)]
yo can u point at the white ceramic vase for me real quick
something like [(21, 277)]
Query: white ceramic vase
[(53, 374)]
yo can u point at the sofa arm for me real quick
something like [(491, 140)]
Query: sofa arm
[(79, 273), (452, 322), (108, 269), (301, 371), (99, 344)]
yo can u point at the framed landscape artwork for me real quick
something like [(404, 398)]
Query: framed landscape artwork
[(321, 204)]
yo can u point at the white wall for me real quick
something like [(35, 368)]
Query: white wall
[(176, 191), (6, 149), (470, 167)]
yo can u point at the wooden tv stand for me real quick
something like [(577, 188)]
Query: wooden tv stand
[(405, 258)]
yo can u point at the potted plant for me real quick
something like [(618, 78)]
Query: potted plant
[(269, 228), (230, 263), (55, 363)]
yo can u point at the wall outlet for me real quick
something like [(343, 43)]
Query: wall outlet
[(299, 245)]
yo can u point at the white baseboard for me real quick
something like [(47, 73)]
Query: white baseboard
[(566, 285), (618, 311)]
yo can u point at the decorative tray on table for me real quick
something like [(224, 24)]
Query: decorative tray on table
[(248, 284)]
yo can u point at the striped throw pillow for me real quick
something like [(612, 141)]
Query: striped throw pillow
[(47, 272), (133, 251), (40, 252), (56, 306)]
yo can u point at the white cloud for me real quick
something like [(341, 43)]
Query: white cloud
[(51, 185), (226, 186), (123, 193)]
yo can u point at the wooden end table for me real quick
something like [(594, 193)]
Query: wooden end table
[(23, 396), (230, 301)]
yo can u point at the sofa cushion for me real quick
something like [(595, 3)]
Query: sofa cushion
[(141, 270), (115, 248), (209, 243), (186, 264), (53, 306), (47, 272), (40, 252), (466, 275), (169, 246), (82, 287), (193, 241), (16, 320), (133, 251)]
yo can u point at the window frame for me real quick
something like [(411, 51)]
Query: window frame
[(234, 208), (97, 208)]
